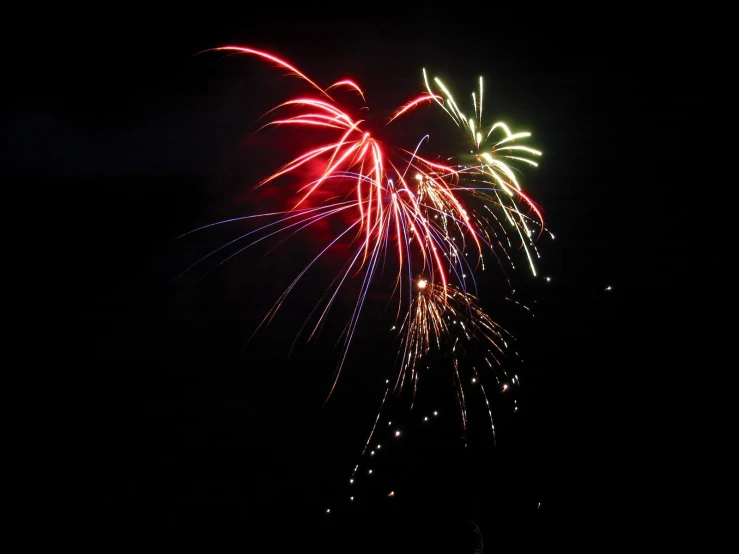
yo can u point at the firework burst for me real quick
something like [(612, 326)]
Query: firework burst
[(495, 151), (450, 319), (397, 207)]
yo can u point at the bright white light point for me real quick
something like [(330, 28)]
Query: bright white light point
[(389, 422), (351, 481), (549, 279), (392, 329), (422, 283), (392, 493), (379, 446), (505, 387), (426, 418), (464, 275), (372, 453), (328, 511), (609, 287), (351, 499), (436, 413), (474, 380), (397, 433), (370, 472)]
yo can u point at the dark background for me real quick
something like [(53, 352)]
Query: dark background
[(127, 138)]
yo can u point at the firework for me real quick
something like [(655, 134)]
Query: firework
[(387, 202), (449, 319), (382, 206), (492, 175)]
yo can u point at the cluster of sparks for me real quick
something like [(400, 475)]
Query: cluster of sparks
[(433, 221), (445, 317)]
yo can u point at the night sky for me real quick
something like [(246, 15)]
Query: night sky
[(183, 430)]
